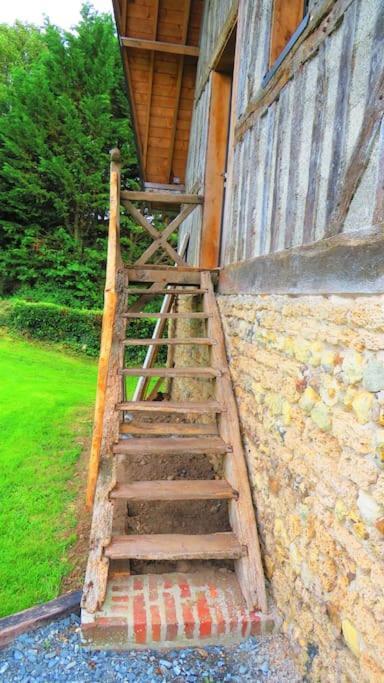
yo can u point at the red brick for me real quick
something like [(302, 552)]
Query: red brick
[(153, 587), (204, 616), (189, 622), (219, 619), (139, 619), (111, 621), (213, 591), (171, 618), (138, 584), (192, 609), (185, 591), (156, 623)]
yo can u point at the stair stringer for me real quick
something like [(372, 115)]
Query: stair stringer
[(96, 576), (249, 569)]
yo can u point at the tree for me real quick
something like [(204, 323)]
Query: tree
[(20, 45), (66, 107)]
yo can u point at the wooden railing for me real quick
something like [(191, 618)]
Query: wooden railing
[(153, 350), (114, 263), (105, 428)]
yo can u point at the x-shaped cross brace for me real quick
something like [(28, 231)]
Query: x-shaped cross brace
[(160, 238)]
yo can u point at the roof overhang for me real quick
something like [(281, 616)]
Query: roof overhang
[(159, 44)]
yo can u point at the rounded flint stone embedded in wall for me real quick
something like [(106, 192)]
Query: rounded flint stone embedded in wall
[(373, 376)]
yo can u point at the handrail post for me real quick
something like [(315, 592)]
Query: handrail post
[(114, 262)]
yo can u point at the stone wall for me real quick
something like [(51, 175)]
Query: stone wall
[(309, 379)]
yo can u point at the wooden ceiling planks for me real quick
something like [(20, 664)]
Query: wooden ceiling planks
[(161, 84)]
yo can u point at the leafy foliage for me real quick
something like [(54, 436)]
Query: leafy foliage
[(62, 107)]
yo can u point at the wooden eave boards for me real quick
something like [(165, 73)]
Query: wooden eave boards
[(159, 42)]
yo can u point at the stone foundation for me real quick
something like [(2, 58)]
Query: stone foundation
[(308, 373)]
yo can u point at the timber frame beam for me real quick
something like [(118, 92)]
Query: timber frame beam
[(350, 263), (174, 198), (158, 46)]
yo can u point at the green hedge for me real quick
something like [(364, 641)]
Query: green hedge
[(78, 329)]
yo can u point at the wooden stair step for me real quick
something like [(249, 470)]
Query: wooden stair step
[(167, 316), (220, 546), (201, 407), (167, 428), (199, 341), (204, 445), (170, 372), (162, 292), (180, 489)]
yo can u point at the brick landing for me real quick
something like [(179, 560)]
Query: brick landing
[(172, 610)]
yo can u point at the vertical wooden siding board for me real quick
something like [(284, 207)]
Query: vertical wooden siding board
[(243, 199), (353, 208), (259, 181), (247, 58), (333, 51), (252, 193), (216, 14), (341, 113), (255, 73), (378, 213), (377, 50), (312, 197), (268, 164), (304, 159), (294, 153), (278, 179), (285, 163), (195, 175), (265, 40), (247, 195), (377, 65), (235, 204)]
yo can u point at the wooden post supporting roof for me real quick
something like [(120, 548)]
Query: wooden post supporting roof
[(221, 85)]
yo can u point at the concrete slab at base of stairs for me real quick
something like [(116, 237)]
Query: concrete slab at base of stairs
[(172, 610)]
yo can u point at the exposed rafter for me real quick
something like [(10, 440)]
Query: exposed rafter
[(179, 81), (150, 84)]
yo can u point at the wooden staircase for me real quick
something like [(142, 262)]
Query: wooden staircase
[(208, 427)]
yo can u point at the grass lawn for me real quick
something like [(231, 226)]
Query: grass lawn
[(46, 412), (46, 400)]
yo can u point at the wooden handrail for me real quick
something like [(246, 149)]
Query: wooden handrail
[(114, 262), (174, 198)]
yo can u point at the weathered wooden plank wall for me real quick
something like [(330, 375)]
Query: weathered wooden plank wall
[(289, 165), (305, 138), (216, 14)]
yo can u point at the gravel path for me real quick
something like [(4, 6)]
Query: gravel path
[(54, 653)]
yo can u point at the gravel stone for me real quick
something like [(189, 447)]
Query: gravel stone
[(54, 654)]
